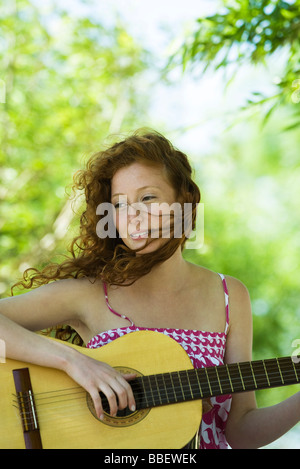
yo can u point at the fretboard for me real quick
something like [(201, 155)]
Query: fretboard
[(186, 385)]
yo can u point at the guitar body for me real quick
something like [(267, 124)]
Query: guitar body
[(65, 415)]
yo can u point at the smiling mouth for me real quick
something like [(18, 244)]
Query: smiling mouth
[(140, 234)]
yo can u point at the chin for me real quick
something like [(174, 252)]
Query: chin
[(151, 247)]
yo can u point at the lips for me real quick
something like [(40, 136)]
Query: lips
[(139, 234)]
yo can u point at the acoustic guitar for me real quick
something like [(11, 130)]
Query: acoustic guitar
[(44, 408)]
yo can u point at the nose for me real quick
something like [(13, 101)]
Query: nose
[(134, 218), (132, 211), (137, 209)]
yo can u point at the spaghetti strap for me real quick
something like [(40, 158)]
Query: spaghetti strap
[(226, 301), (132, 323), (111, 309)]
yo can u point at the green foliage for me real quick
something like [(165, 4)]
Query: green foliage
[(69, 83), (252, 185), (244, 32), (251, 190), (250, 30)]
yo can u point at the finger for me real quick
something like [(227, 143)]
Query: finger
[(129, 376), (130, 395), (108, 391), (97, 403), (122, 391)]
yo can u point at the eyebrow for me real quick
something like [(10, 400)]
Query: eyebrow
[(138, 190)]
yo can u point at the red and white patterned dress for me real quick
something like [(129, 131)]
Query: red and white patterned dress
[(204, 349)]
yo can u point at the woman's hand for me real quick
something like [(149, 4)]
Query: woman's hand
[(95, 376)]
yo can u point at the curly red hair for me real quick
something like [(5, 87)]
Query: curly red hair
[(108, 258)]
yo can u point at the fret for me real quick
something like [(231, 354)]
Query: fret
[(224, 378), (253, 375), (248, 376), (241, 376), (213, 380), (208, 380), (169, 386), (196, 385), (229, 378), (175, 378), (158, 389), (264, 365), (297, 367), (186, 386), (200, 387), (180, 382), (151, 395), (163, 389), (235, 377), (145, 393), (189, 383), (138, 390), (282, 380), (295, 370), (260, 374), (279, 372), (173, 387), (203, 382), (217, 373), (287, 370)]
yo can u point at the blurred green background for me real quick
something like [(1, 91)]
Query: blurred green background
[(220, 79)]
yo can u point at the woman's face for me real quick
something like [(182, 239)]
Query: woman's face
[(142, 197)]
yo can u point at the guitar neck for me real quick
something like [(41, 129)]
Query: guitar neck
[(169, 388)]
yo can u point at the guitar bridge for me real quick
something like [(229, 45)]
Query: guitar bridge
[(27, 409)]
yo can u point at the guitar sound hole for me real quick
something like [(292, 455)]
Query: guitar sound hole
[(121, 413), (124, 413), (124, 417)]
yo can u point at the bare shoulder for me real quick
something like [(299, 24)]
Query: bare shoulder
[(239, 300), (198, 272), (54, 303), (67, 291), (237, 290), (77, 284), (202, 275), (79, 293), (238, 294)]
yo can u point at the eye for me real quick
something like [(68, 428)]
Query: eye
[(120, 205), (147, 198)]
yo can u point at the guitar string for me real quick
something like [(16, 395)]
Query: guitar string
[(170, 388), (213, 382), (62, 417), (59, 412), (285, 367), (64, 401), (67, 404)]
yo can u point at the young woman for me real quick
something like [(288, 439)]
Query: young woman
[(134, 277)]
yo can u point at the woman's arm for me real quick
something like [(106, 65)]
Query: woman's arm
[(247, 426), (259, 427), (59, 303)]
